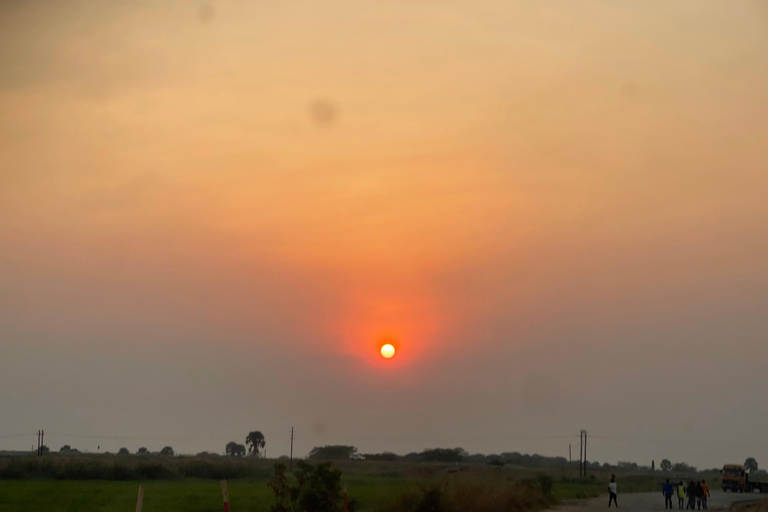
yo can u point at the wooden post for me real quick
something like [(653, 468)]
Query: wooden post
[(225, 494), (140, 501)]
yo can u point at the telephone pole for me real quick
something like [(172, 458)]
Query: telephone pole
[(583, 453), (290, 464)]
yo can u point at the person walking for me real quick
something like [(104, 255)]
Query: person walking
[(612, 492), (681, 495), (667, 491), (704, 494), (699, 494), (690, 493)]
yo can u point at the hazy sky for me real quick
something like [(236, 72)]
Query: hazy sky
[(213, 214)]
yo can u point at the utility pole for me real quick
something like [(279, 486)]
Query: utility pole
[(569, 452), (290, 464), (38, 443), (42, 441), (583, 453)]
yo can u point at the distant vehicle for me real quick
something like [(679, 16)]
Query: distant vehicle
[(736, 479), (356, 456)]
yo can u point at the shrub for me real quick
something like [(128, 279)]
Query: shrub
[(315, 488), (477, 496)]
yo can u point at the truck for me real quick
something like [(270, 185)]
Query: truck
[(736, 479)]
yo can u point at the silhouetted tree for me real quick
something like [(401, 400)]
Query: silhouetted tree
[(64, 449), (167, 451), (142, 451), (123, 451), (751, 465), (45, 449), (255, 441), (234, 449), (444, 455), (666, 465), (682, 467), (333, 452)]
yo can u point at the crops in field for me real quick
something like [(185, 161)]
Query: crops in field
[(108, 483)]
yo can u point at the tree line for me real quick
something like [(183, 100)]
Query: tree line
[(255, 443)]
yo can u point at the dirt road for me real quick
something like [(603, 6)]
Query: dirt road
[(654, 502)]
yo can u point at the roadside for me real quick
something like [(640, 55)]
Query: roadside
[(654, 502), (751, 506)]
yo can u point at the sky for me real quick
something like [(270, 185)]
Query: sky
[(212, 215)]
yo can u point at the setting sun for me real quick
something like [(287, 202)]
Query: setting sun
[(387, 351)]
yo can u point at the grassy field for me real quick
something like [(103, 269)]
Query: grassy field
[(372, 487)]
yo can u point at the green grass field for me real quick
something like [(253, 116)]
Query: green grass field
[(168, 496), (370, 485), (192, 495)]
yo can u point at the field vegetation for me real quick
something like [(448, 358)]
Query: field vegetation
[(82, 482)]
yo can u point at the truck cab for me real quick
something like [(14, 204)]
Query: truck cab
[(734, 477)]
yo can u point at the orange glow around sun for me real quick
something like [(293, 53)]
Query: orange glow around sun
[(387, 351)]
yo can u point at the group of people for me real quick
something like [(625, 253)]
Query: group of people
[(697, 494)]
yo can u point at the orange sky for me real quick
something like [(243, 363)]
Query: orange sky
[(503, 189)]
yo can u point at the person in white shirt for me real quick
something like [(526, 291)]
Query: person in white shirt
[(612, 491)]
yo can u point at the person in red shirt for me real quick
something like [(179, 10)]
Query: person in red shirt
[(704, 494)]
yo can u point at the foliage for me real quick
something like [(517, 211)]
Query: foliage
[(144, 467), (319, 487), (543, 483), (335, 452), (534, 460), (315, 488), (477, 496), (444, 455), (283, 490), (123, 451), (142, 451), (167, 451), (234, 449), (751, 465), (255, 441), (385, 456), (682, 467), (666, 465)]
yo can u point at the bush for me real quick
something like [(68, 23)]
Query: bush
[(460, 496), (313, 489)]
